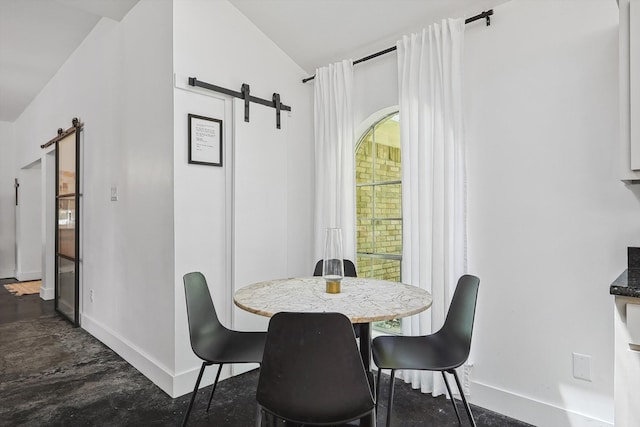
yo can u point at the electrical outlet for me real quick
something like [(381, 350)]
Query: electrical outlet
[(114, 194), (582, 366)]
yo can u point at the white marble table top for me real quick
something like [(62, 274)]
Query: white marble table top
[(362, 300)]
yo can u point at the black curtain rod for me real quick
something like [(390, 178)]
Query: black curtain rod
[(484, 15)]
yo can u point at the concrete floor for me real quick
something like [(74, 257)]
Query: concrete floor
[(52, 374), (14, 308)]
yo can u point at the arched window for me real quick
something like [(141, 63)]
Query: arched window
[(379, 204)]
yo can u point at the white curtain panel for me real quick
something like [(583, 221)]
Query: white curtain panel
[(335, 156), (433, 175)]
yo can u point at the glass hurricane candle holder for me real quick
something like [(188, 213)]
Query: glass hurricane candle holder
[(333, 264)]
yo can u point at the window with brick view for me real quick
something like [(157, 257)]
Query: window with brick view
[(379, 204)]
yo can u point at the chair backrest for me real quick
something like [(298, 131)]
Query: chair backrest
[(312, 372), (349, 268), (201, 314), (458, 326)]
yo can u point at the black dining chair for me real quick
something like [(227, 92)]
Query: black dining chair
[(349, 271), (442, 351), (312, 372), (349, 268), (210, 340)]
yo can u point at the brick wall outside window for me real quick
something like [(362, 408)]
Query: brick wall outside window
[(379, 200)]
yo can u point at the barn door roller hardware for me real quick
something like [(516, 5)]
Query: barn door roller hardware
[(245, 94), (75, 125)]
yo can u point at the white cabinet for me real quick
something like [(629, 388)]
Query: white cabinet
[(634, 81), (627, 362), (629, 90), (633, 325)]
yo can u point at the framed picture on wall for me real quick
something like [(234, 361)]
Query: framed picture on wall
[(205, 140)]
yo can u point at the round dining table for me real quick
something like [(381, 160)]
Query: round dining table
[(362, 300)]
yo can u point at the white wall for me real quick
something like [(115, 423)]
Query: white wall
[(549, 219), (228, 50), (7, 200), (119, 83), (28, 224), (375, 88)]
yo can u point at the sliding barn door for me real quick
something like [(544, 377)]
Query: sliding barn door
[(260, 203), (67, 243)]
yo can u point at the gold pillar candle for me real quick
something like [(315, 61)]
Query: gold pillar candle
[(333, 264), (333, 286)]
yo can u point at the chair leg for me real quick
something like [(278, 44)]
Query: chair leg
[(453, 402), (377, 396), (215, 383), (258, 415), (274, 421), (390, 407), (193, 395), (464, 400)]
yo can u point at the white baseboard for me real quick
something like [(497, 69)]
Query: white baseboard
[(185, 381), (529, 410), (153, 370), (174, 385), (7, 274), (47, 293), (25, 276)]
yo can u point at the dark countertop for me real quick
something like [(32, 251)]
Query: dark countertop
[(627, 284)]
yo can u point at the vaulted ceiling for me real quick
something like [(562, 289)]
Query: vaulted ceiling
[(37, 36)]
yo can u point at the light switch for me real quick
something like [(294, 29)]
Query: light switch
[(114, 193)]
